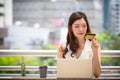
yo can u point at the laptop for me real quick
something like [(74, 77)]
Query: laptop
[(74, 68)]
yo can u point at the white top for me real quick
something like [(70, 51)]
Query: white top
[(86, 52)]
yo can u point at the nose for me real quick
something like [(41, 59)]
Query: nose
[(80, 28)]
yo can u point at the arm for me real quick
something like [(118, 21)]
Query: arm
[(96, 58)]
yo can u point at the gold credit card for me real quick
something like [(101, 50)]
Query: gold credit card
[(90, 36)]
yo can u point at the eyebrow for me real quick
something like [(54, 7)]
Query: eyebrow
[(80, 24), (76, 24)]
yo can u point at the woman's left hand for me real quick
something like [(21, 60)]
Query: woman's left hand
[(95, 45)]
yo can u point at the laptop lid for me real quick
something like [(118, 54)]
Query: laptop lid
[(74, 68)]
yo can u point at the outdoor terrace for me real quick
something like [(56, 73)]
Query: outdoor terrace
[(105, 74)]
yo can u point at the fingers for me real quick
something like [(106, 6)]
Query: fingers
[(95, 42), (61, 47)]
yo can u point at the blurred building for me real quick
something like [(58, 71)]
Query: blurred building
[(49, 14), (115, 16), (55, 13), (3, 28), (6, 13)]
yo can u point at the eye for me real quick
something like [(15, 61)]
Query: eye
[(84, 26), (76, 26)]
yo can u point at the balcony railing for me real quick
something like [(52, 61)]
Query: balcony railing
[(52, 53)]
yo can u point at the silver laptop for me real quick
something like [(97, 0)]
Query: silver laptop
[(74, 68)]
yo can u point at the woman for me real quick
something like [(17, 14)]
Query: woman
[(77, 45)]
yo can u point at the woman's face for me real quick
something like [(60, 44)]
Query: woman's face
[(79, 28)]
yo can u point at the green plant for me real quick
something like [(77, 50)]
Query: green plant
[(111, 42), (105, 39), (5, 61)]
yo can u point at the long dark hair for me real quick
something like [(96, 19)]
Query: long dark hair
[(71, 39)]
